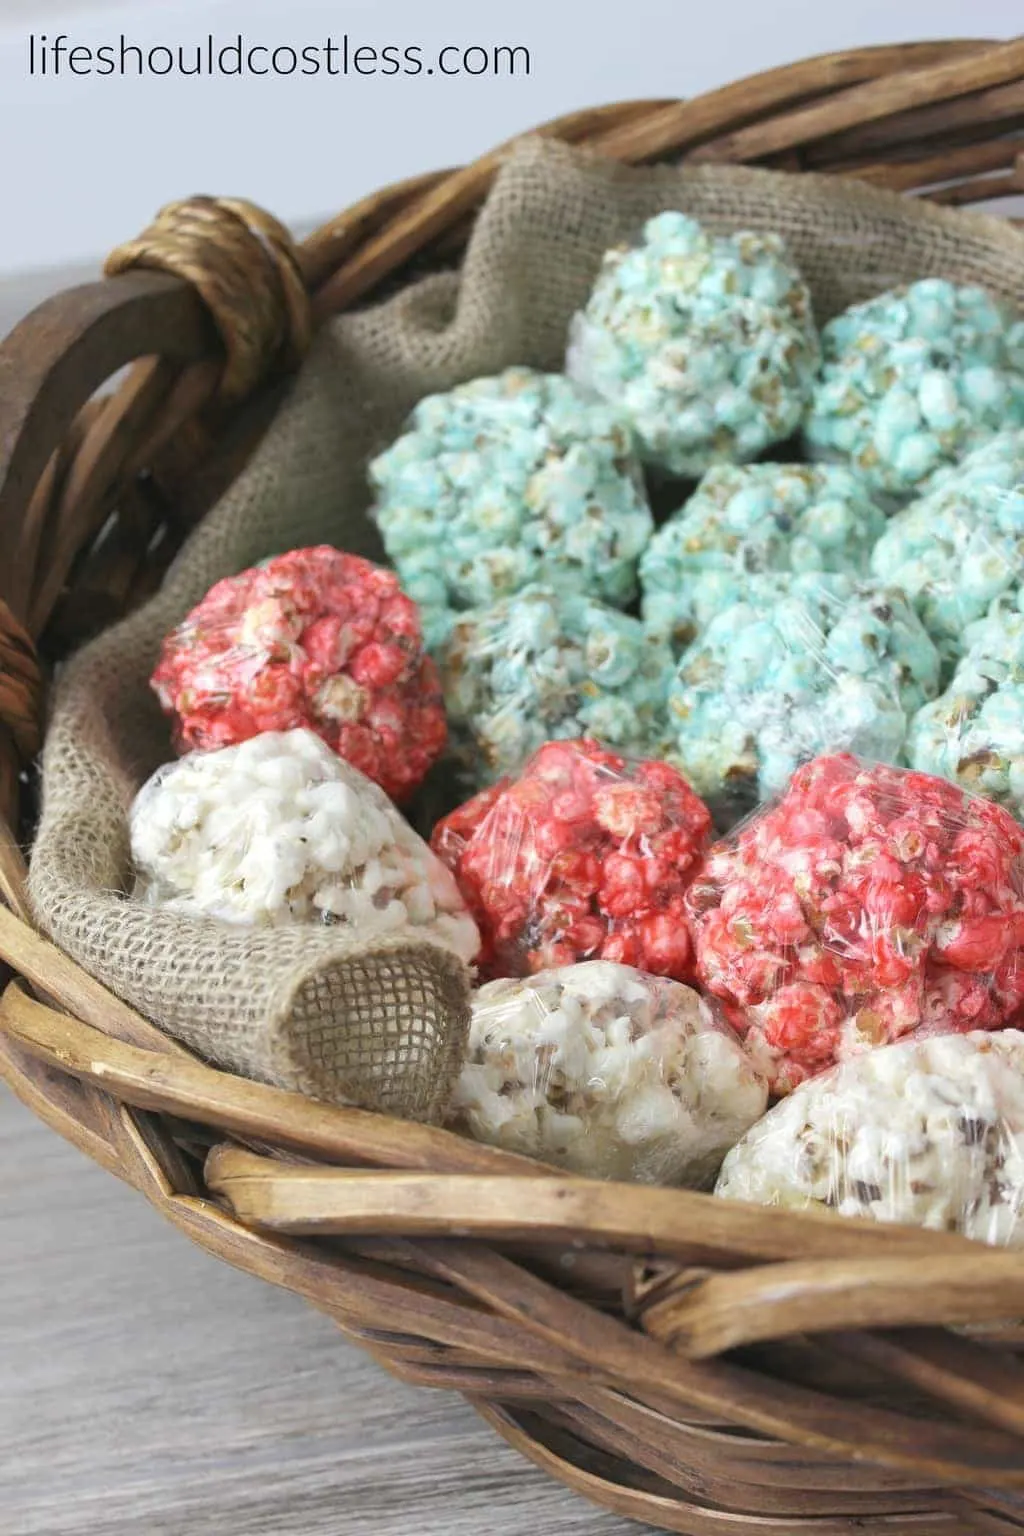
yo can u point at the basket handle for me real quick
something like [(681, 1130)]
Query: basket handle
[(212, 298), (50, 366), (212, 277)]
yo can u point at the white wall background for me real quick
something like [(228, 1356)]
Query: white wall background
[(85, 162)]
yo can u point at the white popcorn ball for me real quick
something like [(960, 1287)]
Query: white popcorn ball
[(928, 1132), (278, 830), (603, 1070)]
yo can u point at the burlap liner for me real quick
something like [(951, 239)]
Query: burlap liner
[(383, 1024)]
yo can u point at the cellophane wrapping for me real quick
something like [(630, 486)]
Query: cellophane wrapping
[(867, 903), (587, 854), (311, 638), (802, 664), (603, 1070), (280, 830), (928, 1132)]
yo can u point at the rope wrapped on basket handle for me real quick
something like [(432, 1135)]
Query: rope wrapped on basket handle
[(245, 266)]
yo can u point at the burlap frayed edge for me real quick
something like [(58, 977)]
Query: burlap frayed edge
[(294, 1056)]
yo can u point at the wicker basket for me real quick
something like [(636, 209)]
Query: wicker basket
[(696, 1365)]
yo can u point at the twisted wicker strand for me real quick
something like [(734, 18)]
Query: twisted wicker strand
[(21, 685), (245, 266)]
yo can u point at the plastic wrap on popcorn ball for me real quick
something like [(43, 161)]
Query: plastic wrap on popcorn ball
[(869, 902), (926, 1133), (545, 666), (605, 1071), (280, 830), (974, 732), (914, 379), (960, 546), (508, 481), (706, 344), (586, 855), (804, 664), (745, 520), (312, 638)]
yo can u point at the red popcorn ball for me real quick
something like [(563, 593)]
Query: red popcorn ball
[(313, 638), (586, 855), (868, 903)]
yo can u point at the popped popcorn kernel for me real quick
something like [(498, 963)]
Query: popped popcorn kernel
[(507, 481), (705, 344), (802, 664), (867, 903), (605, 1071), (545, 665), (280, 830), (927, 1133), (312, 638), (913, 379), (586, 855), (746, 520)]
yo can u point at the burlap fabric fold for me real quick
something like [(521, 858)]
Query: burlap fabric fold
[(383, 1024)]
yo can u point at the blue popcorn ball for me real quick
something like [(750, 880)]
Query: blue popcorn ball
[(974, 732), (913, 380), (508, 481), (803, 665), (960, 546), (706, 344), (544, 666), (745, 520)]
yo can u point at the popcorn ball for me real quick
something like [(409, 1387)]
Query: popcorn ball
[(743, 520), (974, 732), (961, 545), (706, 344), (600, 1069), (280, 830), (312, 638), (928, 1133), (870, 901), (586, 855), (913, 379), (544, 666), (507, 481), (803, 665)]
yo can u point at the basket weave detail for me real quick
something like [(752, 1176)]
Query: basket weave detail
[(21, 685)]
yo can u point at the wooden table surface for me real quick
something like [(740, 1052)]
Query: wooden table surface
[(148, 1390)]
